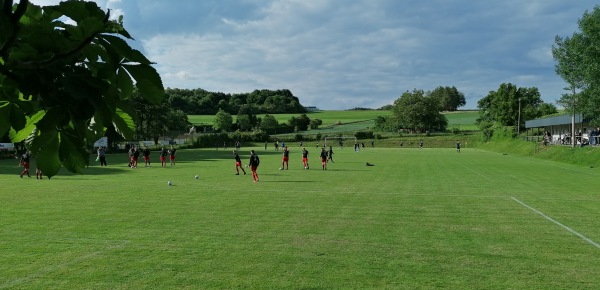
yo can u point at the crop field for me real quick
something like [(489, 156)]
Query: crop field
[(416, 219)]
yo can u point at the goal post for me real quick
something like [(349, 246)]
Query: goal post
[(338, 141)]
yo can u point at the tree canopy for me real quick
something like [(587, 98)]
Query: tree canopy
[(502, 106), (417, 111), (449, 98), (202, 102), (577, 61), (66, 72)]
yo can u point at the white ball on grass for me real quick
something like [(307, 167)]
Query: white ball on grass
[(169, 183), (197, 177)]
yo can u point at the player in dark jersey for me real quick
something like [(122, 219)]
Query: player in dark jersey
[(163, 157), (286, 158), (172, 152), (134, 157), (323, 158), (305, 158), (458, 146), (238, 163), (25, 163), (253, 163), (146, 154), (330, 154)]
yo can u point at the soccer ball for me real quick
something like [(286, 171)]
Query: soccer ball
[(246, 166), (305, 167), (169, 183), (280, 168), (197, 177)]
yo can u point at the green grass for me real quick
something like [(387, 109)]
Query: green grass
[(429, 218)]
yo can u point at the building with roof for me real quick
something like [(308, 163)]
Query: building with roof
[(560, 127)]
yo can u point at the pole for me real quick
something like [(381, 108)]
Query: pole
[(519, 119), (573, 137)]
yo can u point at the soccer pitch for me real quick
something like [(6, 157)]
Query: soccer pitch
[(419, 218)]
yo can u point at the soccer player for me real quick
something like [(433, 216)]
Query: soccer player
[(305, 158), (25, 163), (163, 157), (323, 158), (457, 146), (172, 152), (135, 156), (146, 154), (254, 162), (421, 144), (238, 163), (102, 155), (38, 173), (330, 154), (286, 158)]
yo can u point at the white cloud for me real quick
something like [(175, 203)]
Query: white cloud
[(343, 54)]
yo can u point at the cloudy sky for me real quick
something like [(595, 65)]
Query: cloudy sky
[(341, 54)]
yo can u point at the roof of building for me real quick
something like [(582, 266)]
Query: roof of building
[(553, 121)]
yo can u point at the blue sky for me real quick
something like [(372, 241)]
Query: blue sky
[(340, 54)]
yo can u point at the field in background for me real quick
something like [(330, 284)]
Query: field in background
[(347, 121), (429, 218)]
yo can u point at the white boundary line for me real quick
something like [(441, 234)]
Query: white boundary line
[(467, 167), (554, 221)]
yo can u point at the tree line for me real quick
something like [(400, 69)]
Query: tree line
[(202, 102)]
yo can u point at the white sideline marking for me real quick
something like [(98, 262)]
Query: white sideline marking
[(467, 167), (563, 226)]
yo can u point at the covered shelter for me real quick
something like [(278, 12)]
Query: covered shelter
[(558, 128)]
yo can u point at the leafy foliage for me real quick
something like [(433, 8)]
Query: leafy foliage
[(417, 111), (577, 63), (62, 84), (202, 102), (449, 98), (502, 106), (155, 120), (223, 121)]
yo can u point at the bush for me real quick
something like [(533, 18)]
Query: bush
[(364, 135)]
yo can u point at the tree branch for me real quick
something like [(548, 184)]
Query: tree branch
[(14, 19)]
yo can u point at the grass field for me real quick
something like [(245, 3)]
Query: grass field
[(352, 121), (418, 219)]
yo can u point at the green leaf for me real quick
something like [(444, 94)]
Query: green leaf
[(123, 49), (28, 128), (4, 117), (54, 117), (148, 81), (72, 152), (48, 159), (125, 84), (124, 124), (17, 117)]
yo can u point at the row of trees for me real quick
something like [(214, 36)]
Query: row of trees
[(202, 102), (420, 111), (224, 122)]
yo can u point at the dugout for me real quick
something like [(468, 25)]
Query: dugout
[(559, 128)]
